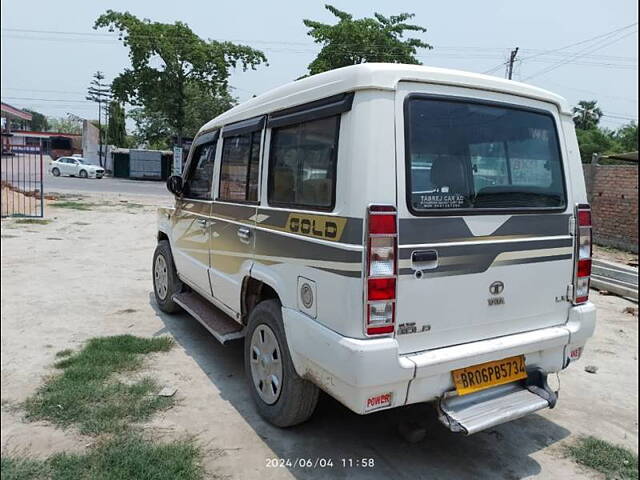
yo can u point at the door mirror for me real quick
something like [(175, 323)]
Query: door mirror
[(174, 184)]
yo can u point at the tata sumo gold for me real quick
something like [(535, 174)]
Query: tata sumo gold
[(390, 234)]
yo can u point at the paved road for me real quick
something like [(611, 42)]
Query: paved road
[(23, 172), (108, 184)]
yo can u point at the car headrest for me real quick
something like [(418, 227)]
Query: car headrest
[(449, 172)]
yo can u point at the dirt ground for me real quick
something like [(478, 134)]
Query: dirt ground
[(88, 273)]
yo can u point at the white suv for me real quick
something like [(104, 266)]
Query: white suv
[(390, 234)]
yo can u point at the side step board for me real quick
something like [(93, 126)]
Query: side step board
[(478, 411), (219, 324)]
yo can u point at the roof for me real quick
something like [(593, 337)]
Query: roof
[(37, 134), (379, 76), (629, 156), (14, 113)]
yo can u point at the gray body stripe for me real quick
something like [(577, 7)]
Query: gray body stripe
[(233, 211), (455, 229), (489, 249), (276, 245), (456, 269)]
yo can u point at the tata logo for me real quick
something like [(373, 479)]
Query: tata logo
[(496, 288)]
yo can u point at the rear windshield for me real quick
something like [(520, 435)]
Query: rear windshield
[(474, 156)]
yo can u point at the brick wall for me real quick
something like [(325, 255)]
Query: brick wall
[(613, 194)]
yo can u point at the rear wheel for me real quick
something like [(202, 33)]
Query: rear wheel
[(83, 174), (55, 172), (282, 397), (165, 279)]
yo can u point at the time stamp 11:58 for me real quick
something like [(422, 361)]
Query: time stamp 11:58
[(320, 462)]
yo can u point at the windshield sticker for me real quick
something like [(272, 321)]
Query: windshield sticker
[(441, 200)]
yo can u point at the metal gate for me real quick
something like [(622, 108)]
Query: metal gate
[(22, 170)]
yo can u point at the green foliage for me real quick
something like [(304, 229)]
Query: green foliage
[(86, 395), (64, 125), (605, 142), (166, 59), (152, 129), (39, 122), (613, 461), (116, 129), (127, 457), (627, 137), (351, 42), (587, 114)]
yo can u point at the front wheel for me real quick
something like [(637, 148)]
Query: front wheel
[(282, 397), (165, 279), (83, 174)]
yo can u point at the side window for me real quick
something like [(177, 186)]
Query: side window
[(200, 175), (302, 167), (239, 168)]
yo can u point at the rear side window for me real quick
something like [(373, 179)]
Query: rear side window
[(302, 165), (240, 166), (200, 177), (475, 156)]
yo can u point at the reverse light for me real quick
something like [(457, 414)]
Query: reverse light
[(583, 254), (381, 270)]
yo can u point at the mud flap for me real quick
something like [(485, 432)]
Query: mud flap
[(481, 410)]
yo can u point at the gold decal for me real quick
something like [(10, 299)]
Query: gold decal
[(319, 226)]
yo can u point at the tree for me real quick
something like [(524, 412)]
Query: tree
[(100, 93), (165, 60), (351, 42), (594, 140), (627, 137), (151, 128), (587, 114), (116, 128), (39, 121), (65, 125)]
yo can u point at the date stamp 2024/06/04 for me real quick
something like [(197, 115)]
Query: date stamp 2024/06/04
[(320, 462)]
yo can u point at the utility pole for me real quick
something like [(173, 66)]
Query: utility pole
[(512, 59), (100, 93)]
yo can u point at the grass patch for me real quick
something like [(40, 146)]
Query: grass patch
[(22, 468), (613, 461), (128, 457), (32, 221), (64, 353), (85, 394), (73, 205)]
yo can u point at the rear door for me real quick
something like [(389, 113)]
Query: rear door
[(484, 242), (235, 208)]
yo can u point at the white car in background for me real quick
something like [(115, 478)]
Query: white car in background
[(75, 167)]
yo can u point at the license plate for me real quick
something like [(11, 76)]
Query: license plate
[(478, 377)]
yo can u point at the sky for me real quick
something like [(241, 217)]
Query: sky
[(580, 49)]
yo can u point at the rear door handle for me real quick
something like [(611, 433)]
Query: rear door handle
[(244, 233), (424, 259)]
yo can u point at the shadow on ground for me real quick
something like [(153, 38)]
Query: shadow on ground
[(337, 433)]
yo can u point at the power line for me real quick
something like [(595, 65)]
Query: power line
[(592, 48)]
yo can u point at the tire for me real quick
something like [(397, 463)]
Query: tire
[(55, 172), (164, 293), (83, 174), (297, 398)]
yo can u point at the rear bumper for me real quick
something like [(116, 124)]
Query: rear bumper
[(369, 374)]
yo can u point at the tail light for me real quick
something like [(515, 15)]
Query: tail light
[(582, 267), (381, 270)]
